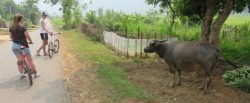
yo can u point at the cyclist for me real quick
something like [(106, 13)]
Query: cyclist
[(19, 36), (44, 34)]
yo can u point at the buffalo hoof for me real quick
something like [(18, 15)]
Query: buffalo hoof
[(172, 85), (178, 83), (201, 87)]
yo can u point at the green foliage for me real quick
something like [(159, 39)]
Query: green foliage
[(91, 17), (111, 20), (138, 61), (193, 7), (96, 38), (235, 42), (28, 9), (239, 78), (77, 11), (67, 15), (27, 23), (72, 12), (58, 22)]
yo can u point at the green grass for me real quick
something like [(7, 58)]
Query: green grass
[(236, 20), (58, 21), (107, 71)]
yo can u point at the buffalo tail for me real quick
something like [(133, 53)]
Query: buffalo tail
[(228, 60)]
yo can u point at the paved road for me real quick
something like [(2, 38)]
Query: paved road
[(49, 88)]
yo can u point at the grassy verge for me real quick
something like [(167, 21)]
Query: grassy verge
[(107, 69)]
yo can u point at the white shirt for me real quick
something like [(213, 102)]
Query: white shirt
[(41, 27)]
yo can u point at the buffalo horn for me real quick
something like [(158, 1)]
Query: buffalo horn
[(163, 40)]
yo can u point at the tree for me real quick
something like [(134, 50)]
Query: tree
[(30, 10), (69, 8), (213, 13), (77, 11)]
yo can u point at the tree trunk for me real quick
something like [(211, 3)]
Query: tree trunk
[(207, 21), (219, 22)]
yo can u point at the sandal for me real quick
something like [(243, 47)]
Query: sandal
[(37, 53), (37, 75)]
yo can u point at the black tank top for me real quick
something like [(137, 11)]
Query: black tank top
[(19, 36)]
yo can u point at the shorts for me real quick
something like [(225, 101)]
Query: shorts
[(17, 51), (44, 36)]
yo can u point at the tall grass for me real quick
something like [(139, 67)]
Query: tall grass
[(58, 21), (235, 43)]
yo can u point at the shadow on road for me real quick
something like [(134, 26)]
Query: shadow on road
[(16, 83), (23, 84), (58, 94)]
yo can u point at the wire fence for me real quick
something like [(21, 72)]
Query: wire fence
[(127, 46)]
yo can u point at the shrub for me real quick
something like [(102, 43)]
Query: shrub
[(239, 78)]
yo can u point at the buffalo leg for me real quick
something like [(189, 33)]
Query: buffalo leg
[(173, 83), (179, 77), (203, 82), (207, 80), (173, 71)]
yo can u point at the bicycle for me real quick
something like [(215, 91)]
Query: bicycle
[(26, 65), (54, 45)]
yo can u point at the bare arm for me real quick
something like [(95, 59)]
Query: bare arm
[(28, 36), (11, 38)]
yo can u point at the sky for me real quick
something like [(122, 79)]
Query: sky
[(127, 6)]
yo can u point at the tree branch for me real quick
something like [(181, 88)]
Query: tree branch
[(219, 22), (207, 21)]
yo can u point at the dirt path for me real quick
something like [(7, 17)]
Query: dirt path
[(83, 85), (3, 36), (155, 78), (49, 88)]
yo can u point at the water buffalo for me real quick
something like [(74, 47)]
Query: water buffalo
[(187, 56)]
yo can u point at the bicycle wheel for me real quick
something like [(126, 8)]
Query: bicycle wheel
[(56, 45), (50, 49), (28, 70)]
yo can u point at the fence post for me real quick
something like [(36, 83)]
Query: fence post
[(126, 30), (235, 31), (138, 33), (135, 47), (223, 34), (141, 45), (161, 36), (155, 35), (117, 46), (147, 44)]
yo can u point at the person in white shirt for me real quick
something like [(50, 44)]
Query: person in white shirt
[(44, 34)]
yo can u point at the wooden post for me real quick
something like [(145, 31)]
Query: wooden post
[(138, 36), (161, 36), (147, 44), (126, 30), (141, 45), (155, 35), (236, 30)]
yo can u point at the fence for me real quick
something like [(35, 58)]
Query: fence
[(127, 46)]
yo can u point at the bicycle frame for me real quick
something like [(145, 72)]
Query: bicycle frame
[(52, 45), (24, 57), (53, 37), (26, 64)]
